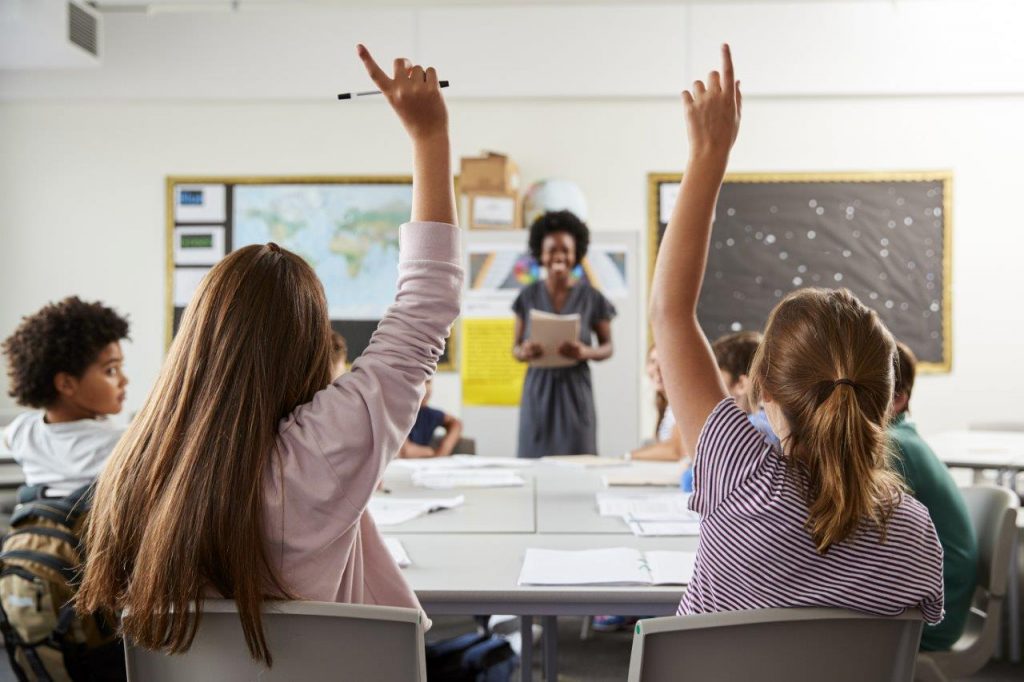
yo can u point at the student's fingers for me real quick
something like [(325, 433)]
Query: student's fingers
[(698, 88), (402, 66), (687, 99), (714, 82), (417, 75), (432, 76), (739, 99), (727, 69), (377, 75)]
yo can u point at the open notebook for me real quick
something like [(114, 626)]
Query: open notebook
[(614, 566)]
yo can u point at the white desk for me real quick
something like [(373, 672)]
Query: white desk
[(999, 450), (466, 561)]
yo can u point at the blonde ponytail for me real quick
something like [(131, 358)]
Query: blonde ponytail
[(827, 361)]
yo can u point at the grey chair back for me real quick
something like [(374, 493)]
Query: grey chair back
[(776, 645), (993, 512), (308, 641)]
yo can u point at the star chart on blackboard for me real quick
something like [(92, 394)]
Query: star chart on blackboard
[(882, 239)]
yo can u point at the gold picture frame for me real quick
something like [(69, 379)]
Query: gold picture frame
[(945, 177), (229, 181)]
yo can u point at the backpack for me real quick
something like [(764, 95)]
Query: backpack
[(39, 572), (472, 657)]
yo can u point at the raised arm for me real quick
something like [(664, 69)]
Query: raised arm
[(691, 376), (362, 419), (415, 95)]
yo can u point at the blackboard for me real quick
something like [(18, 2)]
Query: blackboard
[(345, 227), (884, 236)]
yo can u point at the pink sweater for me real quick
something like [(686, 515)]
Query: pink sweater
[(333, 450)]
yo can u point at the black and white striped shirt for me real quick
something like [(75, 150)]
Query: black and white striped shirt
[(754, 551)]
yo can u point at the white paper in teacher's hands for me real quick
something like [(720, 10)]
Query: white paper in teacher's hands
[(551, 331)]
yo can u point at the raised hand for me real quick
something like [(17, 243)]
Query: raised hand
[(414, 94), (713, 111)]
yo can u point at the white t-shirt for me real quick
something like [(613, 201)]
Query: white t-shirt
[(668, 422), (62, 456)]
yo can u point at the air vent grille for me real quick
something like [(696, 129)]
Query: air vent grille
[(82, 28)]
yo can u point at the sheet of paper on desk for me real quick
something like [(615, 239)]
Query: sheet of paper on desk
[(643, 477), (391, 511), (467, 478), (461, 462), (671, 568), (663, 528), (585, 461), (657, 506), (615, 566), (551, 331), (397, 552)]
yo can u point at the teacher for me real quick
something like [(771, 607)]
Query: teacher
[(556, 413)]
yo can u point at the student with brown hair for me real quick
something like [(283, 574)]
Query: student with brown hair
[(930, 482), (824, 521), (667, 445), (734, 354), (248, 471)]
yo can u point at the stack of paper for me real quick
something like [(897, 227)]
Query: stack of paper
[(466, 478), (397, 552), (585, 461), (551, 331), (390, 511), (654, 514), (616, 566)]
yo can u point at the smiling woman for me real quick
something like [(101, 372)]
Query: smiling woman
[(556, 413)]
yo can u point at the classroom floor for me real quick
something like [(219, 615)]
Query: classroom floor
[(602, 658)]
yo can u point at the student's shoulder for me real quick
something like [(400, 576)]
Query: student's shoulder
[(910, 518), (21, 425)]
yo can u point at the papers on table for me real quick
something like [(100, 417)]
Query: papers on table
[(585, 461), (615, 566), (637, 476), (397, 552), (442, 479), (656, 514), (663, 528), (391, 511), (551, 331), (461, 462)]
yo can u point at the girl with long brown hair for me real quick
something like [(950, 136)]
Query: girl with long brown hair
[(247, 473), (825, 521)]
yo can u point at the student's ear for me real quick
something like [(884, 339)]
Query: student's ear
[(742, 389), (900, 403), (65, 383)]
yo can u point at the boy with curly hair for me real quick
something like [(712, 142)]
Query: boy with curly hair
[(65, 361)]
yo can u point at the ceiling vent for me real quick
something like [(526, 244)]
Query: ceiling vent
[(49, 34)]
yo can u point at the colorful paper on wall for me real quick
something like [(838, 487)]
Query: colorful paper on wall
[(490, 375)]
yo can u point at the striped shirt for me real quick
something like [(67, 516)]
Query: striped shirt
[(754, 551)]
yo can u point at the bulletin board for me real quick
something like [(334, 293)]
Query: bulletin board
[(346, 228), (884, 236)]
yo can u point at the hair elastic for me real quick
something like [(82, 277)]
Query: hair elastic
[(847, 382)]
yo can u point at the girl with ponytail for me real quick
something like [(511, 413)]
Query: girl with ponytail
[(823, 520)]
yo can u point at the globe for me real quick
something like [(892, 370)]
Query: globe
[(553, 195)]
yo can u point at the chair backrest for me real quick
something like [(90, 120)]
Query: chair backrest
[(776, 645), (308, 641), (993, 512)]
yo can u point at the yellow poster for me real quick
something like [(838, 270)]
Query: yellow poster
[(490, 375)]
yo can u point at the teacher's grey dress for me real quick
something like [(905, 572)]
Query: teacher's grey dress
[(556, 413)]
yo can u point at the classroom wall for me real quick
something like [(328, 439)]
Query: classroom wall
[(83, 156)]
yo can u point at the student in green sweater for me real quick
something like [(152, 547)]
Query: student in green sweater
[(929, 481)]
